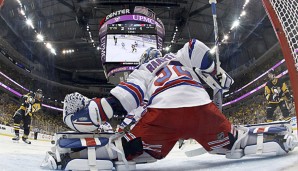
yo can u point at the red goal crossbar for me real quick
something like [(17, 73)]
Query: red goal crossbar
[(287, 51)]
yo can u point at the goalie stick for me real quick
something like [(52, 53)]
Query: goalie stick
[(195, 152), (217, 93)]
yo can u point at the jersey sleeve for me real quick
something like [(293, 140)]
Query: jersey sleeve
[(267, 92), (131, 93), (195, 54)]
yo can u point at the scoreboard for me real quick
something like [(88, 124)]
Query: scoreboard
[(131, 29), (124, 35)]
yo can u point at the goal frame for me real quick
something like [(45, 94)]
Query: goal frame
[(286, 50)]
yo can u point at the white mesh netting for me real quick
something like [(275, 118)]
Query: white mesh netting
[(287, 12)]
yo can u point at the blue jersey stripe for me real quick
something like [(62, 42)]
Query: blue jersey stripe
[(191, 47), (206, 61)]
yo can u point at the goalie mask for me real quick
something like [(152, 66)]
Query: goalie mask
[(149, 54)]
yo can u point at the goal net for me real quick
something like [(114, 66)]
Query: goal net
[(283, 15)]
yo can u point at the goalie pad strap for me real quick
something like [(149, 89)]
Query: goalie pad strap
[(260, 140), (118, 148)]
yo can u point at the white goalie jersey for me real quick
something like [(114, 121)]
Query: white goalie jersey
[(170, 81)]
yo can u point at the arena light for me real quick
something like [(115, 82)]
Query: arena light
[(49, 45), (40, 37), (97, 48), (53, 51), (243, 13), (226, 37), (246, 2), (235, 24), (29, 23), (167, 48), (68, 51), (22, 12)]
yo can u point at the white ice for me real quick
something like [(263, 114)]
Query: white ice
[(25, 157)]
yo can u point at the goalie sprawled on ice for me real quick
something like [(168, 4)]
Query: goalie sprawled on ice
[(176, 99)]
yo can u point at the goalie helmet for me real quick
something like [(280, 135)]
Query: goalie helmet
[(149, 54)]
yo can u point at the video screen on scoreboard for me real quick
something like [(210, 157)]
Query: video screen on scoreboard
[(128, 47)]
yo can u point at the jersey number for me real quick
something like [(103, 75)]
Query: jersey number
[(166, 74)]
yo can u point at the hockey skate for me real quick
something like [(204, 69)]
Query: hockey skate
[(16, 138), (26, 140)]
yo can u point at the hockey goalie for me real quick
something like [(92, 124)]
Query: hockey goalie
[(176, 99)]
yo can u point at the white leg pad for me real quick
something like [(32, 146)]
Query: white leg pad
[(83, 164), (122, 166), (270, 148), (236, 154)]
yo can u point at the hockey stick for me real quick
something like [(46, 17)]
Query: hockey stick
[(217, 93), (195, 152)]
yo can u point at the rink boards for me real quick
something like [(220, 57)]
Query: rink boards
[(8, 131)]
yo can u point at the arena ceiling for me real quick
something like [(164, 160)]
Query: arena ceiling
[(63, 23)]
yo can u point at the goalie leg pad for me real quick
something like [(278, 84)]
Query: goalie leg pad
[(276, 140)]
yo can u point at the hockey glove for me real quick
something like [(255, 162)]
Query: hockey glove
[(225, 80), (85, 115)]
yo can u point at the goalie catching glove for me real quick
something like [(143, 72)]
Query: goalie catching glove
[(85, 115), (216, 79)]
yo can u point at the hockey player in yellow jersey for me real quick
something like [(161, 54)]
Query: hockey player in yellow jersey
[(276, 93), (31, 103)]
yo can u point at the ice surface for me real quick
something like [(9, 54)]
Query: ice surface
[(23, 157)]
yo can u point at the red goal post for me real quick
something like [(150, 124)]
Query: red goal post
[(283, 15)]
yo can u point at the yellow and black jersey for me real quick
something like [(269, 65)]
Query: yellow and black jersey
[(278, 87), (30, 104)]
